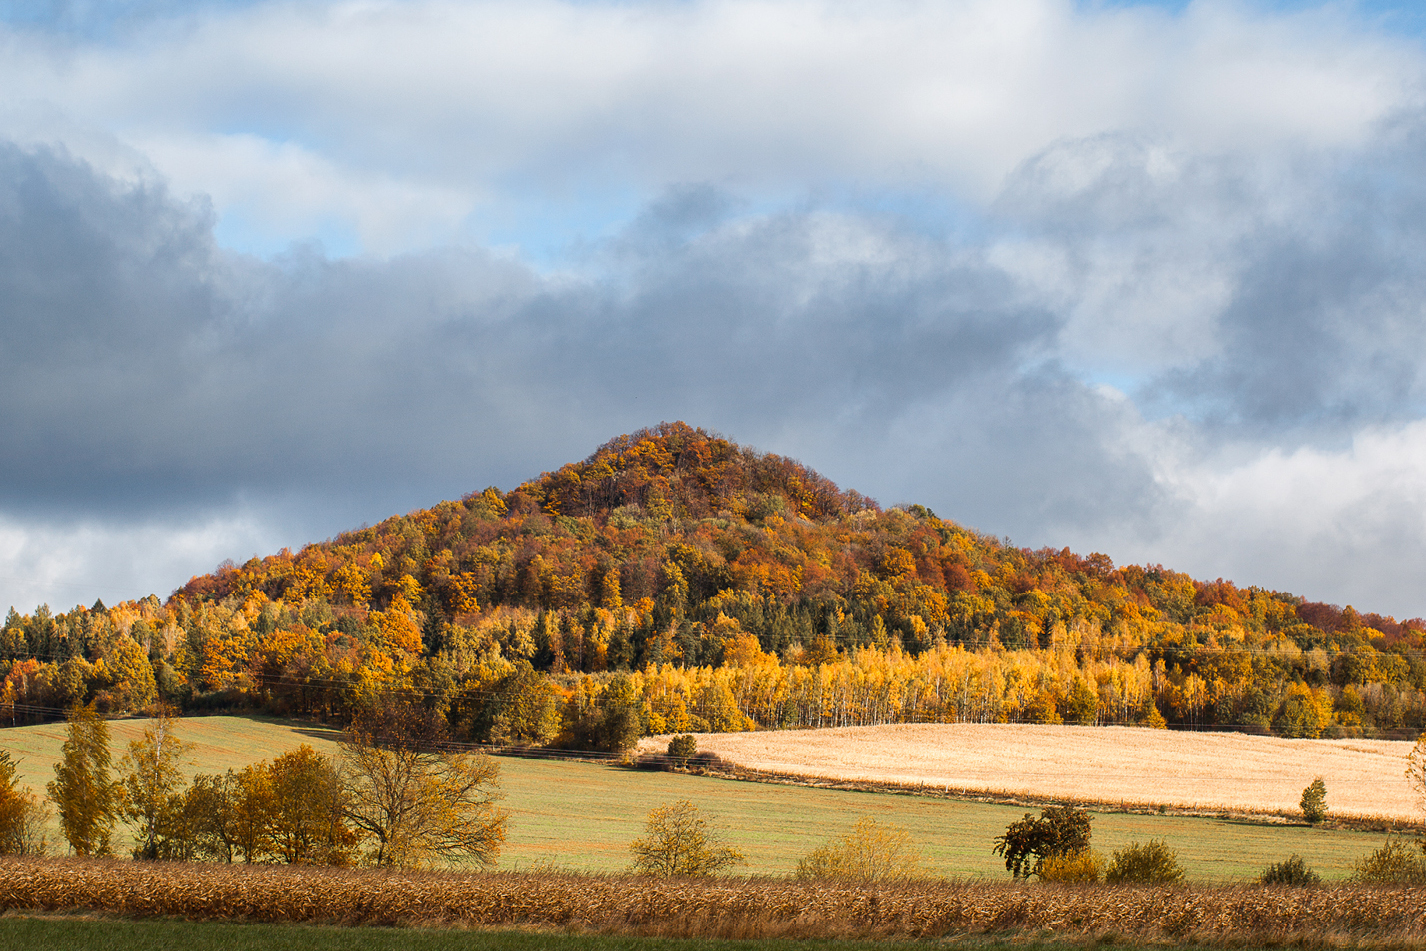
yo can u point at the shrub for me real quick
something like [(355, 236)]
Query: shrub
[(706, 760), (1075, 868), (1292, 871), (1392, 864), (1152, 863), (1314, 801), (869, 853), (681, 749), (677, 840)]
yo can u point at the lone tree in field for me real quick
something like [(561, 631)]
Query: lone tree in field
[(87, 796), (677, 840), (1060, 830), (869, 853), (681, 749), (417, 803), (1314, 801)]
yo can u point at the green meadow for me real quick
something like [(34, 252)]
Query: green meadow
[(582, 816)]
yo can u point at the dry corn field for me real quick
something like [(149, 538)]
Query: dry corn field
[(1097, 764), (733, 908)]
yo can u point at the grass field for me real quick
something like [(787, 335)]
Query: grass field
[(1106, 764), (581, 816), (61, 934), (66, 934)]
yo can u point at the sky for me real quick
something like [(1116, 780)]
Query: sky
[(1147, 279)]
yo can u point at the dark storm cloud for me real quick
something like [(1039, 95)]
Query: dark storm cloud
[(142, 368)]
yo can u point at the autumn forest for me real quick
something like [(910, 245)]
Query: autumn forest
[(675, 581)]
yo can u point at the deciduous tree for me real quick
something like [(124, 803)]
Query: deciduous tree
[(308, 801), (84, 790), (1060, 830), (22, 816), (153, 783), (419, 804)]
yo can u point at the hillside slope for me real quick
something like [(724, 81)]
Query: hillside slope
[(737, 589)]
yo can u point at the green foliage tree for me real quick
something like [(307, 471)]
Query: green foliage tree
[(84, 791), (153, 783), (1314, 801), (1152, 863), (516, 708), (869, 853), (681, 749), (1029, 841), (612, 721), (1291, 871), (678, 841)]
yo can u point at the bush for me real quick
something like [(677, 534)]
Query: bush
[(681, 749), (1293, 871), (1392, 864), (1314, 801), (1077, 868), (1152, 863), (706, 760), (677, 841), (869, 853)]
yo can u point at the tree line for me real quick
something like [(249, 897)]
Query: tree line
[(392, 797)]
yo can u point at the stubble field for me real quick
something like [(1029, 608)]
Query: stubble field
[(1214, 771)]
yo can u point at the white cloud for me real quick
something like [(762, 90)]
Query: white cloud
[(67, 563), (458, 105), (1345, 525), (286, 189)]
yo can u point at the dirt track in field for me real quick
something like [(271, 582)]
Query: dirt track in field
[(1106, 764)]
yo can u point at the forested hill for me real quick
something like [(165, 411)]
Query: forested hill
[(738, 589)]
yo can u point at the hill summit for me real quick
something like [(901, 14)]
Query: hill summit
[(732, 588)]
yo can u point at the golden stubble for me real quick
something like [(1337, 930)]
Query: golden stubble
[(1229, 771)]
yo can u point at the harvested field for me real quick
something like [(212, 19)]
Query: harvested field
[(1214, 771), (733, 908)]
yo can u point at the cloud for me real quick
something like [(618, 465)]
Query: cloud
[(1172, 313), (500, 105), (65, 562)]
